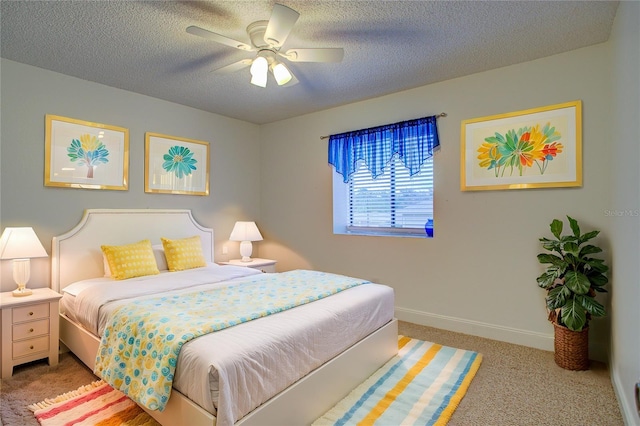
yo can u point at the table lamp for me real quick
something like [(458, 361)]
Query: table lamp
[(20, 245), (245, 232)]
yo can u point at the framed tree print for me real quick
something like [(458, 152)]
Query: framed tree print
[(175, 165), (535, 148), (87, 155)]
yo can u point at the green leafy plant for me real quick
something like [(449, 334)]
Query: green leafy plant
[(573, 277)]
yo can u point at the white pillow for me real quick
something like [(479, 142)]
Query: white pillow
[(161, 259), (158, 253), (75, 288)]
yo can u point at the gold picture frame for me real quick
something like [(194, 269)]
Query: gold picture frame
[(534, 148), (175, 165), (86, 155)]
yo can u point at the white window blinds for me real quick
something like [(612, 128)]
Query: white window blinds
[(392, 202)]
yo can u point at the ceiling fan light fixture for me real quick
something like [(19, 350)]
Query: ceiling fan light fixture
[(259, 80), (259, 67), (281, 73), (267, 38)]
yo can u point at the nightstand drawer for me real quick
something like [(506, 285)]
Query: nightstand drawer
[(31, 329), (28, 313), (30, 347)]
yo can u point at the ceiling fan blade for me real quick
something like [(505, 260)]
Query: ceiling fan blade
[(201, 32), (280, 25), (315, 55), (236, 66)]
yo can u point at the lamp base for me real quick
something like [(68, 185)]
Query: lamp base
[(22, 292), (21, 274), (246, 248)]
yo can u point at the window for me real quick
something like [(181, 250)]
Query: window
[(383, 183), (392, 204), (393, 200)]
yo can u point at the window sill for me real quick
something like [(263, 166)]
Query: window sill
[(405, 233)]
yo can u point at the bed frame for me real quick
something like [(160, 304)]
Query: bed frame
[(76, 255)]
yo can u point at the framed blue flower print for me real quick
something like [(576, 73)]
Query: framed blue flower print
[(175, 165)]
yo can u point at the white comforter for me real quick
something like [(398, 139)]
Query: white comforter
[(231, 372)]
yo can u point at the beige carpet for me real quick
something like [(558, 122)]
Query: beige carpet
[(514, 386), (517, 385), (36, 381)]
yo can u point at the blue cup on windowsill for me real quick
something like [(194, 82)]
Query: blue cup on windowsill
[(428, 228)]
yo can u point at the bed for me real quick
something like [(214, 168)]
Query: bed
[(357, 332)]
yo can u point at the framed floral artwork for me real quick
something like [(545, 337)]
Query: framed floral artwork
[(87, 155), (175, 165), (535, 148)]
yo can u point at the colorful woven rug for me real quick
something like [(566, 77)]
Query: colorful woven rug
[(95, 404), (422, 385)]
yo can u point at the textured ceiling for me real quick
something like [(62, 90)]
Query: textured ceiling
[(142, 46)]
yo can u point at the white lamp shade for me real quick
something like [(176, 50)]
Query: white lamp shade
[(20, 243), (259, 66), (282, 74), (245, 231), (259, 80), (259, 69)]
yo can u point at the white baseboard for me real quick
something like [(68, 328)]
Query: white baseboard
[(627, 405), (490, 331)]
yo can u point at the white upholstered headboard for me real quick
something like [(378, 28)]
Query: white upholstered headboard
[(76, 254)]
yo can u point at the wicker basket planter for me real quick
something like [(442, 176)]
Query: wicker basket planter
[(571, 348)]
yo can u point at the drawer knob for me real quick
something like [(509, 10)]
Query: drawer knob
[(31, 347), (30, 313), (31, 330)]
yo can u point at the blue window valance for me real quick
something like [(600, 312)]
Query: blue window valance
[(414, 141)]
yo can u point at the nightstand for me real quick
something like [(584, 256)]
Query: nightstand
[(264, 265), (30, 329)]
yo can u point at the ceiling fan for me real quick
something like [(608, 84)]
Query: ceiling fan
[(267, 38)]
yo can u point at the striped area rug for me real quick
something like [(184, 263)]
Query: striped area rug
[(422, 385), (95, 404)]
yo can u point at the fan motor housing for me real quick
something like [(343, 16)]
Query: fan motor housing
[(256, 31)]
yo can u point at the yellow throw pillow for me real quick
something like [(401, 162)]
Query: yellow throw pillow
[(185, 253), (131, 260)]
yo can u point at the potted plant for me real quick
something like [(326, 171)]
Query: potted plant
[(572, 280)]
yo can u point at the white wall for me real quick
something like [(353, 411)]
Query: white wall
[(625, 200), (478, 275), (28, 93)]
